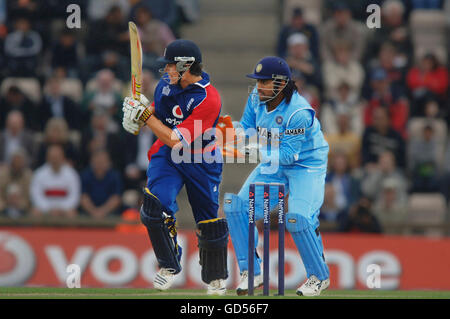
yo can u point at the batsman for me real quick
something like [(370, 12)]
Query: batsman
[(278, 115), (185, 110)]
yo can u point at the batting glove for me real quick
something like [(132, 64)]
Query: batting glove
[(136, 113)]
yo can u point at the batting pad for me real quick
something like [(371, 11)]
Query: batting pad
[(212, 242), (309, 244), (163, 239), (237, 220)]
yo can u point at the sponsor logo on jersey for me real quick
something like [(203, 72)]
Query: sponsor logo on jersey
[(295, 131), (173, 121), (176, 111), (268, 133)]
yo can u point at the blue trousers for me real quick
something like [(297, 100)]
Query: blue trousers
[(202, 180)]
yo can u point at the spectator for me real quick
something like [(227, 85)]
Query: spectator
[(300, 58), (101, 187), (341, 185), (342, 28), (17, 173), (163, 10), (380, 137), (309, 92), (55, 186), (155, 36), (57, 132), (190, 10), (104, 97), (57, 105), (423, 162), (391, 205), (22, 49), (358, 8), (394, 29), (15, 137), (100, 136), (345, 141), (428, 80), (136, 158), (445, 185), (98, 9), (12, 207), (389, 61), (360, 218), (383, 96), (342, 67), (108, 45), (432, 111), (372, 182), (427, 4), (28, 8), (15, 99), (109, 34), (347, 103), (65, 53), (298, 25), (330, 210)]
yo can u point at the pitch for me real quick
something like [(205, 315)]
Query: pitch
[(127, 293)]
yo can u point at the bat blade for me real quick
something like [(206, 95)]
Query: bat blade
[(136, 61)]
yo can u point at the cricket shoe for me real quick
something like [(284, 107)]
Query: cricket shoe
[(217, 287), (164, 279), (242, 288), (313, 287)]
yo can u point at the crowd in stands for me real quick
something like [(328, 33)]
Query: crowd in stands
[(61, 142), (382, 96)]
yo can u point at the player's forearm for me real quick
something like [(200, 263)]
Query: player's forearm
[(164, 133)]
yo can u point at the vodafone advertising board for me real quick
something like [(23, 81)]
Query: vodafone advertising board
[(107, 258)]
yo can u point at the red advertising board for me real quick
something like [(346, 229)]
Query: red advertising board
[(40, 256)]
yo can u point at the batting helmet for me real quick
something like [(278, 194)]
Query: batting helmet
[(181, 50)]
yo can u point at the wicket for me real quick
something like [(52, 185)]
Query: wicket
[(251, 237)]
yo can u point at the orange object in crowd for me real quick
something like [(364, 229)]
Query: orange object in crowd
[(131, 214)]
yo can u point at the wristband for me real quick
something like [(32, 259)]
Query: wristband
[(145, 115)]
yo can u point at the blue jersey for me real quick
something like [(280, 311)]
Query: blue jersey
[(297, 131), (192, 113)]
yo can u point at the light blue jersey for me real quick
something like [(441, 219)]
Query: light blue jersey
[(302, 154), (301, 140)]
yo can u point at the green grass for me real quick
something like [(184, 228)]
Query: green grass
[(126, 293)]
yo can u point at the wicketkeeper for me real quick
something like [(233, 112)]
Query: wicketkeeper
[(183, 117), (294, 144)]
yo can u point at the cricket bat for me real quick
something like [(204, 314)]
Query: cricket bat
[(136, 61)]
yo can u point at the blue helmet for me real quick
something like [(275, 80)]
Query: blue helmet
[(271, 68), (181, 51)]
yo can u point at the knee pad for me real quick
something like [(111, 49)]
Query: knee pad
[(309, 244), (213, 242), (162, 232)]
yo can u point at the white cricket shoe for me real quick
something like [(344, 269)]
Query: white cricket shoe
[(217, 287), (313, 287), (164, 279), (242, 288)]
